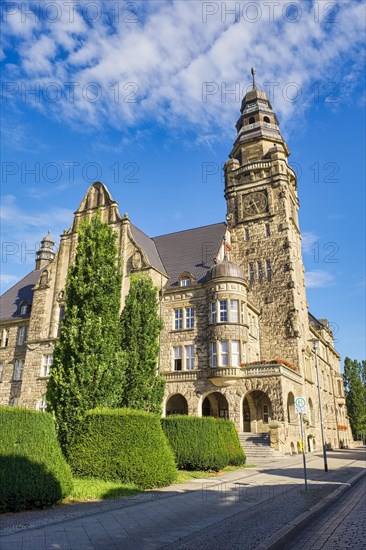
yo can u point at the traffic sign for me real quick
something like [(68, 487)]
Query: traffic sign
[(300, 405)]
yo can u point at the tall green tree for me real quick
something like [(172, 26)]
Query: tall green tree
[(140, 329), (88, 365), (354, 382)]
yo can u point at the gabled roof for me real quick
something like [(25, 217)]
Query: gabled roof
[(314, 322), (22, 291), (147, 244), (193, 251)]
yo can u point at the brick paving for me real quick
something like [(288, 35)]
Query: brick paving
[(343, 526), (180, 513)]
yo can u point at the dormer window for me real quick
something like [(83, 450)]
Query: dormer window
[(24, 308), (185, 279)]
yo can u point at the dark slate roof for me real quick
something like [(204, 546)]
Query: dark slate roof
[(313, 321), (147, 244), (193, 251), (22, 291)]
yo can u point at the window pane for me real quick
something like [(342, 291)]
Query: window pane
[(189, 317), (223, 311), (189, 357), (235, 355), (177, 354), (178, 319), (213, 355), (18, 369), (234, 311), (224, 353), (213, 312)]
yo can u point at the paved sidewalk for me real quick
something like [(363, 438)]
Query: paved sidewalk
[(172, 515), (342, 526)]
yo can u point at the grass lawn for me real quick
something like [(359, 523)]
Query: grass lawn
[(91, 488), (87, 489)]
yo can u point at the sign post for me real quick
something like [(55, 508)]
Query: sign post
[(300, 408)]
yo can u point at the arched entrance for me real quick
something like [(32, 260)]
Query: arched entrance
[(215, 404), (257, 412), (176, 404)]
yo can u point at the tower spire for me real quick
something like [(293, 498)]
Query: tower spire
[(253, 75)]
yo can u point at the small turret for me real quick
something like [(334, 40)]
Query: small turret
[(45, 254)]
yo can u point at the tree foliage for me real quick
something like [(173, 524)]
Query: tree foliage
[(140, 328), (88, 365), (354, 382)]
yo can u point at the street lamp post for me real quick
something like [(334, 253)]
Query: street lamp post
[(315, 347)]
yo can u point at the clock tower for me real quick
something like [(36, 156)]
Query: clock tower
[(262, 215)]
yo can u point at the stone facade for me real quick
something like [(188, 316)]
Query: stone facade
[(238, 338)]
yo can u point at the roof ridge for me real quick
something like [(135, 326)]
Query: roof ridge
[(185, 230)]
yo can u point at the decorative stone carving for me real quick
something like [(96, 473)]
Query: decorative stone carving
[(137, 260), (293, 324)]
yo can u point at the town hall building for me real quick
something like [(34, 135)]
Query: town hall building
[(238, 340)]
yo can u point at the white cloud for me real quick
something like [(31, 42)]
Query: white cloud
[(318, 279), (308, 240), (171, 52), (6, 280)]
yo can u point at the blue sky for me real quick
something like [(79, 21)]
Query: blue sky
[(145, 95)]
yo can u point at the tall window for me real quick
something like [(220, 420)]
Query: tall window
[(269, 270), (4, 338), (246, 234), (18, 368), (42, 404), (224, 353), (21, 335), (189, 357), (235, 353), (213, 312), (1, 371), (177, 358), (223, 311), (260, 271), (234, 311), (189, 317), (268, 230), (251, 272), (13, 402), (178, 319), (46, 365), (213, 354), (242, 313), (61, 317)]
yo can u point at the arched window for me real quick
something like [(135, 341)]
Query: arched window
[(252, 120), (266, 119), (311, 412)]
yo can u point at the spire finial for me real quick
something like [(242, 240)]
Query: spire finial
[(253, 75)]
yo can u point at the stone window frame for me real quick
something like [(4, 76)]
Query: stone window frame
[(251, 272), (184, 318), (189, 358), (2, 369), (267, 228), (18, 370), (260, 270), (22, 334), (41, 404), (220, 314), (46, 365), (4, 337), (246, 234), (269, 270), (179, 353), (216, 353)]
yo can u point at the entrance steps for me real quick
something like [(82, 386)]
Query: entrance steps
[(257, 448)]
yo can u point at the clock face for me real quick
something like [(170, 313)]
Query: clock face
[(255, 203)]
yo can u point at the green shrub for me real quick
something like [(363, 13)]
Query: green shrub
[(198, 443), (231, 440), (33, 471), (123, 445)]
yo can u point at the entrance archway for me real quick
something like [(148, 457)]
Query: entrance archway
[(176, 404), (215, 404), (257, 412)]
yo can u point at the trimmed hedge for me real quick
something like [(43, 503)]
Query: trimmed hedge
[(33, 471), (202, 443), (231, 440), (123, 445)]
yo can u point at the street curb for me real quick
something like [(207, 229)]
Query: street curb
[(284, 535)]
